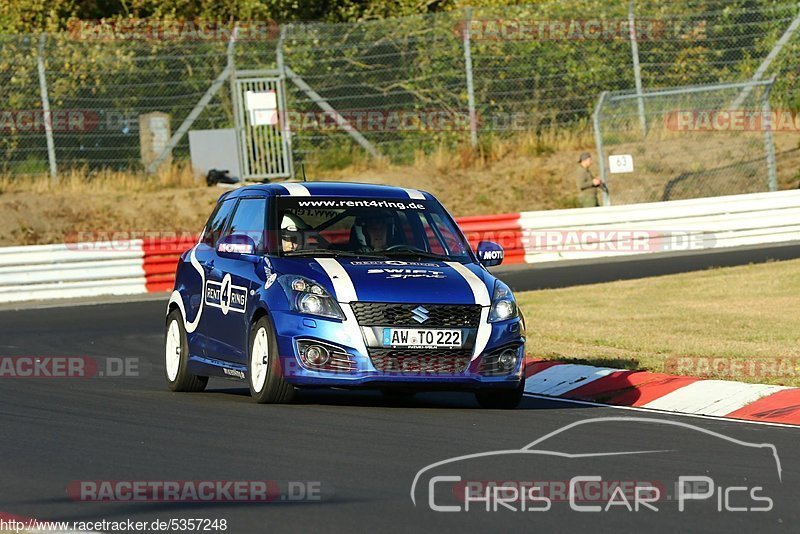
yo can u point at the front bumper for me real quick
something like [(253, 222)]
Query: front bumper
[(291, 328)]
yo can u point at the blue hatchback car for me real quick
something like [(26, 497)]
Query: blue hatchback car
[(304, 285)]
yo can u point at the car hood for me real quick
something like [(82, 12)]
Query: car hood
[(400, 281)]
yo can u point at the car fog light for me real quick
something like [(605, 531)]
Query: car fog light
[(316, 355), (507, 360)]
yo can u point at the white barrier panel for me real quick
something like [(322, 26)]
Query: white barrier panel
[(680, 225), (71, 270), (117, 267)]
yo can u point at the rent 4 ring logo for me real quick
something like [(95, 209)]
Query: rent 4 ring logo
[(226, 296)]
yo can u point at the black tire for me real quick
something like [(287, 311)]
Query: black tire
[(182, 380), (398, 395), (501, 399), (274, 389)]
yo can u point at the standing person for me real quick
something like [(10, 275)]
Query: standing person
[(586, 182)]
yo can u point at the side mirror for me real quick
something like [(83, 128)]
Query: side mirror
[(490, 253), (235, 246)]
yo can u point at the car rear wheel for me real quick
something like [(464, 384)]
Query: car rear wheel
[(264, 375), (501, 399), (176, 357)]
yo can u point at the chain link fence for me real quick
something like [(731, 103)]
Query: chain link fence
[(410, 86), (681, 146)]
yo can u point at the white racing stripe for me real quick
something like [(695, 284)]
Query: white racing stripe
[(481, 296), (475, 284), (178, 300), (483, 335), (343, 286), (560, 379), (344, 293), (712, 397), (296, 190), (353, 335), (413, 193)]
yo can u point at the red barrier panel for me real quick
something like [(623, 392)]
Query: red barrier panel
[(161, 260), (502, 229), (161, 257)]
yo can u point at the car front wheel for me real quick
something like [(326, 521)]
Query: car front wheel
[(502, 399), (267, 384)]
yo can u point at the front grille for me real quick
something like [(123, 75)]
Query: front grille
[(415, 362), (441, 315)]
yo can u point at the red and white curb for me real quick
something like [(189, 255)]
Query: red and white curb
[(664, 392)]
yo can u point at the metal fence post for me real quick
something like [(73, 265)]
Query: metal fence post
[(637, 71), (769, 146), (231, 59), (598, 141), (473, 123), (325, 106), (198, 108), (48, 119), (286, 127), (787, 35)]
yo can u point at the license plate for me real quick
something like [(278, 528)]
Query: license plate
[(421, 337)]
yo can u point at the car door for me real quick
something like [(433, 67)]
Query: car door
[(229, 284), (206, 256)]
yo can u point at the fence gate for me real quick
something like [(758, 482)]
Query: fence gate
[(263, 136)]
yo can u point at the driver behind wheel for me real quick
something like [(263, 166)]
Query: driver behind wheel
[(292, 228), (372, 231)]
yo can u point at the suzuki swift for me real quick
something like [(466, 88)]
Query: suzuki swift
[(306, 285)]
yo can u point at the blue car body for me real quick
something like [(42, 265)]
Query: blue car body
[(220, 294)]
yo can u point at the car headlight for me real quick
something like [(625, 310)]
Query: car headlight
[(307, 296), (503, 304)]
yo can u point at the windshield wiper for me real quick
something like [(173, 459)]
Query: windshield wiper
[(331, 253), (410, 251)]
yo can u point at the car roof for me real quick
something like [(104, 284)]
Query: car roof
[(328, 189)]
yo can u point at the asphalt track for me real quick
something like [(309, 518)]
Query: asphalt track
[(362, 450)]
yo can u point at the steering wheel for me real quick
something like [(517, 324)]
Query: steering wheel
[(402, 246)]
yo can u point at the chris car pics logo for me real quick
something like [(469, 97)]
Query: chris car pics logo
[(542, 476)]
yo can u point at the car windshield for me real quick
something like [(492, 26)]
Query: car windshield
[(348, 227)]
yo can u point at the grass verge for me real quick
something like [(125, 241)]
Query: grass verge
[(736, 323)]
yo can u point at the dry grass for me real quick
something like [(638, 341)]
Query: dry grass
[(745, 314), (503, 175), (524, 173), (81, 181), (35, 210)]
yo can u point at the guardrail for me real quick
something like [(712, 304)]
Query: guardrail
[(695, 224), (71, 270), (136, 266)]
